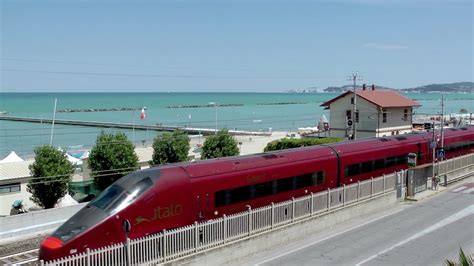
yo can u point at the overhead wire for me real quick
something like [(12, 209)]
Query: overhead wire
[(161, 75)]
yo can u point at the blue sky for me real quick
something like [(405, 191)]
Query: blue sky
[(249, 46)]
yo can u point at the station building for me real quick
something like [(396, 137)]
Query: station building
[(379, 113)]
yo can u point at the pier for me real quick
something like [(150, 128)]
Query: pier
[(189, 130)]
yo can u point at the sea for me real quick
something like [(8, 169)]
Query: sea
[(240, 111)]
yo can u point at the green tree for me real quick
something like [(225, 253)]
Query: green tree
[(220, 145), (463, 111), (286, 143), (51, 173), (171, 148), (112, 157)]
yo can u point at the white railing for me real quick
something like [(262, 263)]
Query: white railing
[(176, 243), (452, 165)]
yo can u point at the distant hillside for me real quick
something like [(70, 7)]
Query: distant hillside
[(458, 87), (466, 87)]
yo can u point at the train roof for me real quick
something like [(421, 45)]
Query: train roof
[(377, 143), (239, 163), (384, 142)]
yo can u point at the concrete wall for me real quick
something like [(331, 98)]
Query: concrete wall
[(24, 225), (284, 235), (396, 122)]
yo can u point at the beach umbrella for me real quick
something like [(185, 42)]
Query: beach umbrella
[(85, 155), (73, 159)]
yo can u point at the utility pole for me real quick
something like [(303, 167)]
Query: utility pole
[(354, 77), (54, 118), (442, 121)]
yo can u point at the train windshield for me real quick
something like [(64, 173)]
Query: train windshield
[(109, 195), (115, 198)]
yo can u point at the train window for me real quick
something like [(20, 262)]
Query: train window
[(379, 164), (230, 196), (390, 161), (106, 197), (221, 198), (352, 170), (239, 194), (320, 178), (284, 184), (263, 189), (303, 181), (366, 167), (402, 159), (134, 192)]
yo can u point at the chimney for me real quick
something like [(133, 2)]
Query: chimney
[(373, 87), (363, 87)]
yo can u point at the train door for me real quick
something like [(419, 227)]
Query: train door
[(202, 203)]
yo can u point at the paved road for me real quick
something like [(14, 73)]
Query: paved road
[(422, 233)]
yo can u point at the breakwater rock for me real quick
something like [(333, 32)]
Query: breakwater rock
[(281, 103), (85, 110), (205, 105)]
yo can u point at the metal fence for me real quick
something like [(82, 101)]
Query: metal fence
[(446, 168), (170, 245), (448, 171)]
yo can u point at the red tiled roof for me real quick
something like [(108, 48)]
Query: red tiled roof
[(382, 98)]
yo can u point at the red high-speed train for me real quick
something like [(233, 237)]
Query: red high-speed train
[(175, 195)]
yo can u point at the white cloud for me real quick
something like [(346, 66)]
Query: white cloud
[(385, 46)]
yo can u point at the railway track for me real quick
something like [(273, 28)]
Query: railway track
[(29, 257)]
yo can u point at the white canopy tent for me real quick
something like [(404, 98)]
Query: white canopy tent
[(67, 200), (11, 158)]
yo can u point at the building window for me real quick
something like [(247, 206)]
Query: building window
[(384, 117), (8, 188), (352, 100), (348, 114), (405, 114), (357, 116)]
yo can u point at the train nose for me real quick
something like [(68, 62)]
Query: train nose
[(50, 248)]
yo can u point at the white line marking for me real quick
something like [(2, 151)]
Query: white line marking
[(329, 237), (451, 219), (468, 190), (59, 222), (20, 253), (459, 189)]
